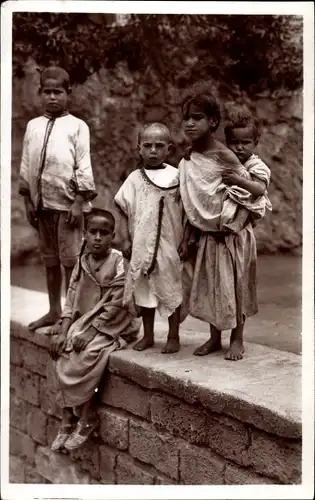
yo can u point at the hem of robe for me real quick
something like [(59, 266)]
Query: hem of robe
[(225, 326)]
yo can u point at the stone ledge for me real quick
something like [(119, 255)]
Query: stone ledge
[(264, 389)]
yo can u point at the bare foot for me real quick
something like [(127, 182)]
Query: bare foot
[(207, 347), (172, 345), (47, 320), (236, 351), (143, 344)]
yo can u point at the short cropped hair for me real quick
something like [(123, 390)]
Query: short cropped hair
[(241, 117), (98, 212), (55, 73), (158, 125), (205, 101)]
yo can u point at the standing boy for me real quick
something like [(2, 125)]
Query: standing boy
[(57, 183), (152, 217)]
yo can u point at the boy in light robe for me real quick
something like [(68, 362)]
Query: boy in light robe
[(151, 213), (56, 181)]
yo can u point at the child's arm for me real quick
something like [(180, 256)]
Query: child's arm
[(230, 175), (58, 342), (124, 201), (24, 188), (125, 245), (183, 247), (83, 175), (255, 187)]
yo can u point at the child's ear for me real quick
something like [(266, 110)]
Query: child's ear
[(69, 91), (213, 123), (170, 148)]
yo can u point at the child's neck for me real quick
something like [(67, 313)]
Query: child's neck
[(157, 167), (49, 114), (100, 257), (204, 143)]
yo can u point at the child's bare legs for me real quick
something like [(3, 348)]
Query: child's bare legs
[(236, 348), (68, 272), (172, 344), (148, 330), (88, 414), (67, 416), (213, 344), (53, 279)]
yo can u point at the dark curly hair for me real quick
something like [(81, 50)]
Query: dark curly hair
[(241, 117), (205, 101), (98, 212)]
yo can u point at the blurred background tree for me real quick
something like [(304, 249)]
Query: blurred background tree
[(257, 53)]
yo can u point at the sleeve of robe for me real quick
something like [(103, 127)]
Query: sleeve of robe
[(83, 170), (24, 188), (125, 197)]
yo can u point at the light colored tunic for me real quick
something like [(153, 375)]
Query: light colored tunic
[(65, 169), (149, 199), (223, 288), (93, 299)]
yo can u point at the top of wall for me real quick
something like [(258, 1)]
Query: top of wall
[(264, 389)]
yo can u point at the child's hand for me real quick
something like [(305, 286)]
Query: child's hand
[(183, 251), (126, 250), (57, 345), (56, 329), (80, 342), (74, 216), (31, 213), (229, 177)]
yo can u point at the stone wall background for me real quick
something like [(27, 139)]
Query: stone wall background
[(116, 101)]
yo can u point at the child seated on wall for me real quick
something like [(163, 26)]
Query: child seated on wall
[(94, 324)]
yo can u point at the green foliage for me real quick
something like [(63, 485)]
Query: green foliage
[(254, 52)]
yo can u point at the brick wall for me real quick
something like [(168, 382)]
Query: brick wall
[(146, 436)]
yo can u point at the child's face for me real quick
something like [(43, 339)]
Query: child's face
[(98, 236), (54, 96), (197, 124), (241, 141), (153, 147)]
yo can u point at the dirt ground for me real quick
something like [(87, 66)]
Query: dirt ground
[(279, 321)]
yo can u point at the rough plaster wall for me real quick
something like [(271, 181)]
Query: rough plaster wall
[(115, 102)]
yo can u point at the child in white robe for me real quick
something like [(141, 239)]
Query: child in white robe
[(152, 215)]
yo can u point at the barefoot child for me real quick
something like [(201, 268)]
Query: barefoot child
[(241, 135), (152, 215), (56, 180), (94, 324), (223, 290)]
